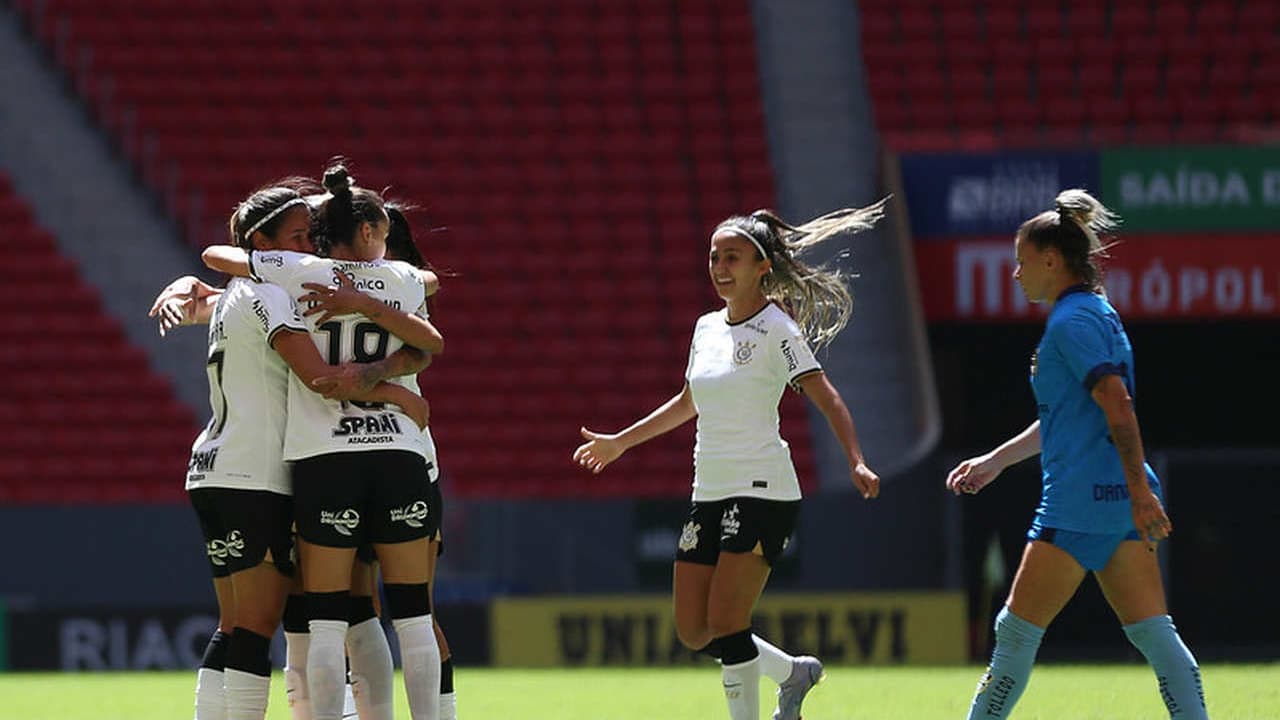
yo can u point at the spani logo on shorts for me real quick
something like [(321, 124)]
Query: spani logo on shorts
[(689, 536), (219, 550), (343, 521), (412, 515)]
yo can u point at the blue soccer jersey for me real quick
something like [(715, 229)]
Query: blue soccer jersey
[(1084, 485)]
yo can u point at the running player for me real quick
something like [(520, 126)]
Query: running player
[(1100, 508), (745, 491)]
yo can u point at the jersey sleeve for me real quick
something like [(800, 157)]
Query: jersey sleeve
[(412, 277), (277, 266), (1085, 342), (274, 311), (693, 348), (791, 354)]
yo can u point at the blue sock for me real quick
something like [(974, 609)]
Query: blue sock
[(1016, 644), (1174, 664)]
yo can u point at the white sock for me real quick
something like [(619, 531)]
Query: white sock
[(246, 695), (211, 701), (349, 709), (742, 689), (420, 660), (326, 668), (448, 707), (774, 663), (372, 670), (295, 675)]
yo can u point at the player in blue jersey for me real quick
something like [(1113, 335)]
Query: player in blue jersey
[(1100, 509)]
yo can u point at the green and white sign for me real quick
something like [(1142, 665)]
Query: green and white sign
[(1193, 188)]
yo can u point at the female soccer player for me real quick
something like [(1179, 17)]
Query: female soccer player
[(237, 481), (745, 491), (188, 301), (1100, 508), (343, 299), (359, 470)]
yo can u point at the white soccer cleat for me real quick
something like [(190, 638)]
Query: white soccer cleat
[(806, 671)]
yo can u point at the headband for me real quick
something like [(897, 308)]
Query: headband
[(744, 234), (267, 218)]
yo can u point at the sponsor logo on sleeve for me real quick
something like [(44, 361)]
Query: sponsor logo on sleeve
[(789, 354), (261, 313)]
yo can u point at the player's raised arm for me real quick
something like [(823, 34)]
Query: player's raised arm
[(226, 259)]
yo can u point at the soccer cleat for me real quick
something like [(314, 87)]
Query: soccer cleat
[(806, 671)]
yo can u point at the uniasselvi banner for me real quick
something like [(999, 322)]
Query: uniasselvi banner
[(1188, 189)]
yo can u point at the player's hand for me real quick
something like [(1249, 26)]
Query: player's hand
[(176, 304), (867, 482), (182, 287), (329, 301), (1149, 518), (598, 451), (347, 382), (176, 312), (973, 474), (418, 410)]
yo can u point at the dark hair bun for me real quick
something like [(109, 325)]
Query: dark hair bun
[(337, 180)]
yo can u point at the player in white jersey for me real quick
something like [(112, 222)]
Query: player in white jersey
[(359, 471), (745, 492), (345, 299), (189, 300), (236, 479)]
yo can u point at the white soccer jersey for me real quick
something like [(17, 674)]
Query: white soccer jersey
[(318, 426), (737, 373), (428, 442), (241, 446)]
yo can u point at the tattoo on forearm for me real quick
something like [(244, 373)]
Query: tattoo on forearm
[(370, 375), (1128, 443)]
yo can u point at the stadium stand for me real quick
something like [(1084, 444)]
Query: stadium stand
[(84, 419), (946, 74), (577, 154)]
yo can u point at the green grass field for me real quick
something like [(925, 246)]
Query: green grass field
[(1235, 692)]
